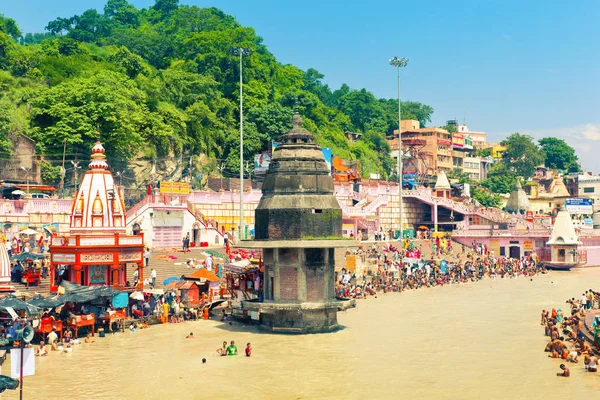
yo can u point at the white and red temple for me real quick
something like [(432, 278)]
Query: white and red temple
[(5, 283), (97, 251)]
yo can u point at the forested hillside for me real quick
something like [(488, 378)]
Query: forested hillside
[(162, 84)]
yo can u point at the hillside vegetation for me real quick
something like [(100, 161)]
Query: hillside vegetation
[(162, 84)]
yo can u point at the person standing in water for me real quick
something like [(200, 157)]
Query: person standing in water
[(232, 349)]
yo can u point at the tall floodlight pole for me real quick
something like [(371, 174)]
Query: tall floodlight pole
[(399, 63), (240, 51)]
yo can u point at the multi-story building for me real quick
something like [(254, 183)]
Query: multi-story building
[(434, 148), (478, 139), (588, 185), (472, 166)]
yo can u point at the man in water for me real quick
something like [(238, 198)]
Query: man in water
[(248, 350), (566, 373), (223, 350), (232, 349), (52, 337), (591, 363), (190, 336), (42, 350)]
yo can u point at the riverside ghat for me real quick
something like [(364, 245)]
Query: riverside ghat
[(298, 226)]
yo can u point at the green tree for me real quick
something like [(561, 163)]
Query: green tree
[(122, 13), (75, 110), (166, 7), (485, 198), (483, 152), (9, 26), (5, 128), (132, 64), (421, 112), (272, 120), (559, 155), (500, 179), (459, 175), (522, 154), (449, 127)]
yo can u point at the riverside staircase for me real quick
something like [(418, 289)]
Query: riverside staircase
[(369, 204)]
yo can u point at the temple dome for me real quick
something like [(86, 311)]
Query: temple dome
[(517, 201), (442, 182), (563, 231), (298, 200), (97, 207)]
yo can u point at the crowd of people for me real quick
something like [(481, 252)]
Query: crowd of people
[(61, 346), (395, 269), (567, 338)]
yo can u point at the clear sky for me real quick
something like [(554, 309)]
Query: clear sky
[(504, 66)]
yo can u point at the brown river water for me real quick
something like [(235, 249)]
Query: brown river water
[(471, 341)]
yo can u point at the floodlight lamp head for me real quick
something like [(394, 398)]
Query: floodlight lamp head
[(398, 62)]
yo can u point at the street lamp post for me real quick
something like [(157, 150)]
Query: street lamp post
[(27, 171), (399, 63), (240, 51)]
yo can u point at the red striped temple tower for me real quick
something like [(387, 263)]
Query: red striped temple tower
[(97, 250)]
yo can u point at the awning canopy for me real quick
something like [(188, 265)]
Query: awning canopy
[(33, 186), (203, 273), (80, 294)]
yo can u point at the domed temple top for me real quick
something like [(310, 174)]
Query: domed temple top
[(442, 181), (517, 201), (97, 207), (563, 231), (298, 200)]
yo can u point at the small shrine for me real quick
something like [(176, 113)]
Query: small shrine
[(517, 202), (97, 250), (298, 226), (564, 243), (442, 186)]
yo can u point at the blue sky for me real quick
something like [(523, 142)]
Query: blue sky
[(502, 65)]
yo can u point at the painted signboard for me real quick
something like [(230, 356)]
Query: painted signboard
[(63, 258), (458, 139), (167, 187), (261, 162), (579, 206), (97, 274)]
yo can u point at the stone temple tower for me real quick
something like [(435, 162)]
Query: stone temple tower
[(298, 226)]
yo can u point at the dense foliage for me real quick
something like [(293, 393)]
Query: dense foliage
[(559, 155), (163, 83)]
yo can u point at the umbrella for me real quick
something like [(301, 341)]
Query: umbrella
[(423, 228), (78, 297), (45, 302), (205, 274), (171, 279), (7, 382), (17, 304), (215, 253), (137, 296), (28, 231), (18, 192), (50, 228), (27, 257)]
